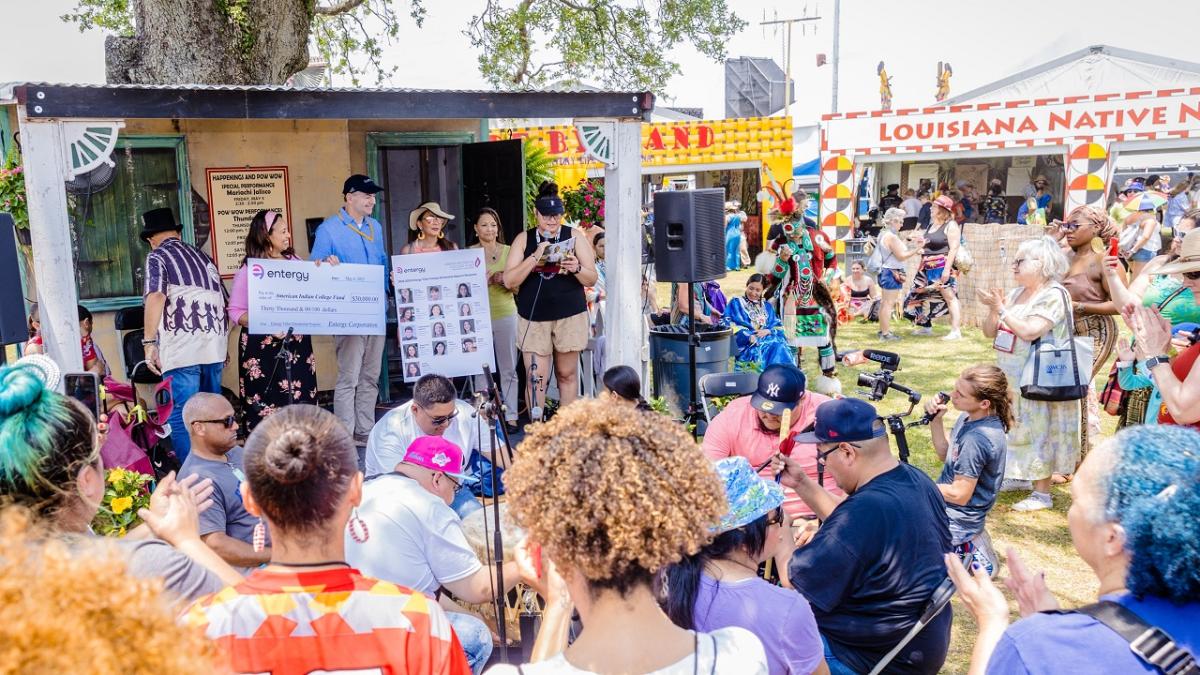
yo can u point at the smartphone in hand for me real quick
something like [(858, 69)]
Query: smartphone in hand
[(85, 388)]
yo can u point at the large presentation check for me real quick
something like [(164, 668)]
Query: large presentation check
[(341, 299)]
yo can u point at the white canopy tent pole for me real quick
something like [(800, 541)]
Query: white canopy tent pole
[(43, 150)]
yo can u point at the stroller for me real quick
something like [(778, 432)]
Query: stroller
[(139, 440)]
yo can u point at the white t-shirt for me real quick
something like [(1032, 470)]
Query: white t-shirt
[(415, 540), (912, 207), (727, 651), (391, 436)]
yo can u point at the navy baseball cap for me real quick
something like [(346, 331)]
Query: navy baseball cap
[(360, 183), (780, 387), (549, 205), (844, 420)]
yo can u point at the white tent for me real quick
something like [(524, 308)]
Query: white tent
[(1098, 69)]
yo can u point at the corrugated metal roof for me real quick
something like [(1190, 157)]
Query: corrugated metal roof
[(9, 86)]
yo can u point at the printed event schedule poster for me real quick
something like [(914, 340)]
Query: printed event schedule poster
[(234, 196), (445, 322)]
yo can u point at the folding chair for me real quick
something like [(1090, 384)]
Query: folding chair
[(130, 326), (713, 385)]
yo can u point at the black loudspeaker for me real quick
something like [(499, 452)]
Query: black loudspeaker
[(689, 235), (13, 327)]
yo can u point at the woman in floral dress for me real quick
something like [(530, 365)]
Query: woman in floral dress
[(1045, 439), (262, 375)]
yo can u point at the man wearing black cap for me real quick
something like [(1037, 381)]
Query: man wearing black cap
[(186, 325), (353, 236), (749, 427), (872, 567), (891, 200)]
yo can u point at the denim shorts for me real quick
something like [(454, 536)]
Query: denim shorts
[(888, 280), (1143, 255)]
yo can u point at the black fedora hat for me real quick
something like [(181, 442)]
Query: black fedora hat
[(156, 221)]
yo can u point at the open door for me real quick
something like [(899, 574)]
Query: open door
[(493, 175)]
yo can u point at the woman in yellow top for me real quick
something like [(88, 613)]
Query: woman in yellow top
[(503, 309)]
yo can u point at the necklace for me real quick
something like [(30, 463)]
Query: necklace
[(320, 563), (369, 235)]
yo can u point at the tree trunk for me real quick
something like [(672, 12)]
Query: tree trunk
[(211, 42)]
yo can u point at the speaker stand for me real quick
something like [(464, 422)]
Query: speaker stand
[(692, 417)]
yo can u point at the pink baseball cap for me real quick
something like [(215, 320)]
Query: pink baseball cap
[(436, 454), (945, 202)]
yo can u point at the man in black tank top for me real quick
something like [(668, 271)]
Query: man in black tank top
[(550, 274)]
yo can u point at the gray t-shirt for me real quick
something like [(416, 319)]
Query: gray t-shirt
[(182, 576), (227, 514), (977, 450)]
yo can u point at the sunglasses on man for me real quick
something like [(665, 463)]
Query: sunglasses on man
[(227, 421), (439, 420)]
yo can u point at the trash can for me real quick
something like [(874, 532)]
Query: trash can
[(669, 359), (856, 251)]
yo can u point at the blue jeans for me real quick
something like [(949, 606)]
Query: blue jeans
[(186, 382), (465, 503), (835, 667), (475, 638), (1143, 255)]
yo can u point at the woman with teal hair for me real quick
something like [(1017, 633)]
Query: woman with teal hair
[(1133, 521), (50, 466), (718, 586)]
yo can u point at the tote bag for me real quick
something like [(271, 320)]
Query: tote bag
[(1058, 371)]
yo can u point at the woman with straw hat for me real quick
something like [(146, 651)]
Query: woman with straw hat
[(427, 230)]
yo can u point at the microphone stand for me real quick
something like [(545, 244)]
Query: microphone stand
[(285, 355), (493, 408)]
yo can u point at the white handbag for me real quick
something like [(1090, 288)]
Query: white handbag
[(1058, 371)]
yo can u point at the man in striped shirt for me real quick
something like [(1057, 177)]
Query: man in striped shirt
[(186, 334)]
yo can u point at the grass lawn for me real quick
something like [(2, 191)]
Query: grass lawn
[(929, 365)]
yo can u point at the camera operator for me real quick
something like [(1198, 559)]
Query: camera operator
[(872, 567), (973, 457)]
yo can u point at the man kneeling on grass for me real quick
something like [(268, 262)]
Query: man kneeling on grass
[(974, 455)]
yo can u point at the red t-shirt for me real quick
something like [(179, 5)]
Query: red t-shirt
[(1181, 365), (328, 621), (736, 432)]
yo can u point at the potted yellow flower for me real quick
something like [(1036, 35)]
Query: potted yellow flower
[(125, 492)]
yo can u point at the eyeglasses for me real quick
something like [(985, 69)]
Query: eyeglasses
[(822, 455), (227, 421), (776, 517), (453, 482), (1017, 263), (441, 419), (1192, 275), (1068, 226)]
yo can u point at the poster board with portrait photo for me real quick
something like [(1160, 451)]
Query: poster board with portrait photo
[(444, 320)]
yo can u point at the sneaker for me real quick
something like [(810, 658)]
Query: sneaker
[(1015, 485), (890, 337), (1036, 501), (923, 331), (953, 335)]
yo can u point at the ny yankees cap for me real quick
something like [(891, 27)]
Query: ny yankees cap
[(844, 420), (779, 388)]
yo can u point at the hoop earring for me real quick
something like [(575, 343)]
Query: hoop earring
[(358, 528), (260, 536), (420, 234), (442, 234)]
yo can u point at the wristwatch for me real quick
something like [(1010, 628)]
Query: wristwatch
[(1155, 361)]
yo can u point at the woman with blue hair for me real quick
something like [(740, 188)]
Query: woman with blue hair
[(718, 586), (1133, 521)]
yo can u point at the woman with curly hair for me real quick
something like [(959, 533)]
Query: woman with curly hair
[(613, 496), (117, 623), (50, 466), (308, 610), (1133, 521)]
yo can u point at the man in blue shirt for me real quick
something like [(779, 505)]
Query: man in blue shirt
[(872, 568), (353, 236)]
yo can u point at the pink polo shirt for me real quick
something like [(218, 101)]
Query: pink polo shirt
[(736, 432)]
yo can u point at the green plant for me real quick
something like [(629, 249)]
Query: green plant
[(585, 203), (659, 405), (125, 492), (12, 189), (538, 167)]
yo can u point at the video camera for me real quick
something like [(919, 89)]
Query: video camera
[(880, 381)]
